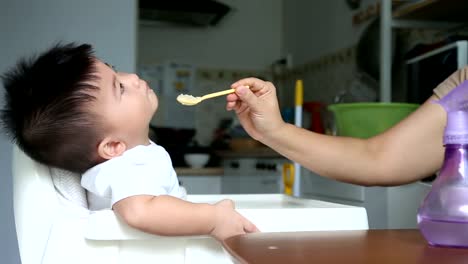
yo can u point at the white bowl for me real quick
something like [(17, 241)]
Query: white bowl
[(197, 160)]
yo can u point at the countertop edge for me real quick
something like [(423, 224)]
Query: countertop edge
[(210, 171)]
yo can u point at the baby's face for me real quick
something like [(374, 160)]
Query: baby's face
[(126, 104)]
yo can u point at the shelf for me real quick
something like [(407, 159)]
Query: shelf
[(433, 10), (442, 14)]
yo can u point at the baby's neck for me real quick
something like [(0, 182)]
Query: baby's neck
[(143, 141)]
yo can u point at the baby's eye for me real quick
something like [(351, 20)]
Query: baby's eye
[(122, 88)]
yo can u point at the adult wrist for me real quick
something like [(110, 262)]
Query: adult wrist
[(276, 134)]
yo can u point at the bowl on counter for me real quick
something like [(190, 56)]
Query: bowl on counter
[(197, 160)]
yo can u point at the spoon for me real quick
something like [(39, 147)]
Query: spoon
[(187, 99)]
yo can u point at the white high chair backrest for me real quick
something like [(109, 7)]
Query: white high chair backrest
[(51, 230), (35, 204)]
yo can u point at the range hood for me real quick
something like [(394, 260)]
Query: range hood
[(198, 13)]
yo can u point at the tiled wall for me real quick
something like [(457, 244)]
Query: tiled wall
[(323, 78)]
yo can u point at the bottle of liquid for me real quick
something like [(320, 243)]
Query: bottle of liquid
[(443, 215)]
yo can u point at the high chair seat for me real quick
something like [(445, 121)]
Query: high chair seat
[(54, 226)]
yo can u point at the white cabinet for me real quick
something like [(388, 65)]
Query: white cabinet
[(200, 184), (254, 175), (250, 184), (403, 203), (387, 207)]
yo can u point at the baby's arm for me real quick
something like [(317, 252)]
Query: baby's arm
[(169, 216)]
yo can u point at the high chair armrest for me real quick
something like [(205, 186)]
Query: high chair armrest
[(106, 225)]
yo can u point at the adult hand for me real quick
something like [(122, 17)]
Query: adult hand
[(256, 105)]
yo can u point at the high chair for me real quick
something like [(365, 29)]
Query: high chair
[(54, 224)]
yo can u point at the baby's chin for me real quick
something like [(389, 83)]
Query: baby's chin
[(156, 103)]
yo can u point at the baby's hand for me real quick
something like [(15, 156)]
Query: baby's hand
[(228, 222)]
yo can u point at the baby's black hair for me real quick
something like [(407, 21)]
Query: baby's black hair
[(45, 112)]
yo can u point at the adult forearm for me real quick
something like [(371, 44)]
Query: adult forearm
[(409, 151), (340, 158)]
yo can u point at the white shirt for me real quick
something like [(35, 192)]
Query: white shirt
[(142, 170)]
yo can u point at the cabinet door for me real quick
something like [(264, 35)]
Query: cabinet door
[(251, 184), (230, 184), (201, 184), (259, 184), (403, 204), (314, 185)]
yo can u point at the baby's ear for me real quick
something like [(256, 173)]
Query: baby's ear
[(110, 148)]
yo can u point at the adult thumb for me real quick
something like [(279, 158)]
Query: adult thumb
[(246, 95)]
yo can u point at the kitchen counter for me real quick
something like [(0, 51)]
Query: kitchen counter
[(210, 171), (362, 246), (261, 152)]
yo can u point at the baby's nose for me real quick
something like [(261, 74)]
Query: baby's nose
[(131, 79), (134, 79)]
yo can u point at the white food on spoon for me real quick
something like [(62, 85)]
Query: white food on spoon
[(187, 99)]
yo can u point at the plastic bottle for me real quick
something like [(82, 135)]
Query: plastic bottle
[(443, 215)]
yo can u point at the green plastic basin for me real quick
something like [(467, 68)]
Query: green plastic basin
[(364, 120)]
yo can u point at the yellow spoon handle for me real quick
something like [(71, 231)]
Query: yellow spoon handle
[(211, 95)]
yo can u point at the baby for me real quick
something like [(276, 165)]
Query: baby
[(67, 109)]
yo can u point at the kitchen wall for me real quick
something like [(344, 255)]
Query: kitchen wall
[(249, 37), (28, 26), (321, 34), (245, 43)]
